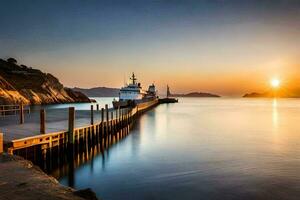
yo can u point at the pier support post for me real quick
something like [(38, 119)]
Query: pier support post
[(92, 115), (97, 107), (21, 114), (127, 116), (71, 125), (42, 121), (102, 127), (118, 119), (106, 109), (112, 123), (116, 122), (107, 121), (102, 115), (1, 143), (122, 117)]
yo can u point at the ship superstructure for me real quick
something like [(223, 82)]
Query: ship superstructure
[(132, 94), (132, 91)]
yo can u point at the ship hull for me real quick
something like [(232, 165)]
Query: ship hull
[(122, 104), (147, 104), (143, 103)]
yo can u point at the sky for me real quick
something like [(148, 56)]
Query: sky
[(222, 46)]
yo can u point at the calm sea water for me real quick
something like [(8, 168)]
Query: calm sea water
[(203, 149), (78, 106)]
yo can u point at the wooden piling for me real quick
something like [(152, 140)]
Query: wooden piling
[(92, 115), (107, 122), (21, 107), (102, 127), (106, 110), (97, 107), (127, 116), (42, 121), (112, 119), (1, 143), (118, 118), (71, 125), (127, 122), (122, 123), (115, 122), (122, 116)]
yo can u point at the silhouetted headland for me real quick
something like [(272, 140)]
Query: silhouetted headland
[(195, 94), (22, 84), (99, 91), (290, 94), (255, 95)]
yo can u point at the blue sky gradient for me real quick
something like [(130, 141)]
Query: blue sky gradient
[(192, 45)]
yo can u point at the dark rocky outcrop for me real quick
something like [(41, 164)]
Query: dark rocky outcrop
[(19, 83), (87, 194), (195, 94), (255, 95), (291, 93)]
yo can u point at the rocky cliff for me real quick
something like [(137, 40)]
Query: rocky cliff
[(19, 83)]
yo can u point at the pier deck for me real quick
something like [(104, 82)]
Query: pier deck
[(56, 120), (66, 126)]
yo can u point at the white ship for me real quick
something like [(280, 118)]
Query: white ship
[(132, 94)]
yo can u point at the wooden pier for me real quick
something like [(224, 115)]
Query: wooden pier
[(114, 125)]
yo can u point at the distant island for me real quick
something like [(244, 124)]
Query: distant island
[(256, 95), (22, 84), (289, 94), (99, 91), (195, 94)]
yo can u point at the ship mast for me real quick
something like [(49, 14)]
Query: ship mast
[(133, 79), (168, 91)]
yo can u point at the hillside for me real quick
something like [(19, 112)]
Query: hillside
[(19, 83), (99, 92)]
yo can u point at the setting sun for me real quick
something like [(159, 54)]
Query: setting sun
[(275, 83)]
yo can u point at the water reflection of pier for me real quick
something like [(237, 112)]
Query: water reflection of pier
[(65, 164)]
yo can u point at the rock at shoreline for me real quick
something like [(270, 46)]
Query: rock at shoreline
[(20, 179), (87, 194), (22, 84)]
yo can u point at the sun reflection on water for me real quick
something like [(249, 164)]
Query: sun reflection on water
[(275, 113)]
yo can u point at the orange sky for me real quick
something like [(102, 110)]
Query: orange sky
[(223, 47)]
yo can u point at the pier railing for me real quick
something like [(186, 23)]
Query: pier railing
[(1, 143), (6, 110)]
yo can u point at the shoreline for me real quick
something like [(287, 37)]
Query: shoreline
[(20, 179)]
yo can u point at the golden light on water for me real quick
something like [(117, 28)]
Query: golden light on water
[(275, 113), (275, 83)]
